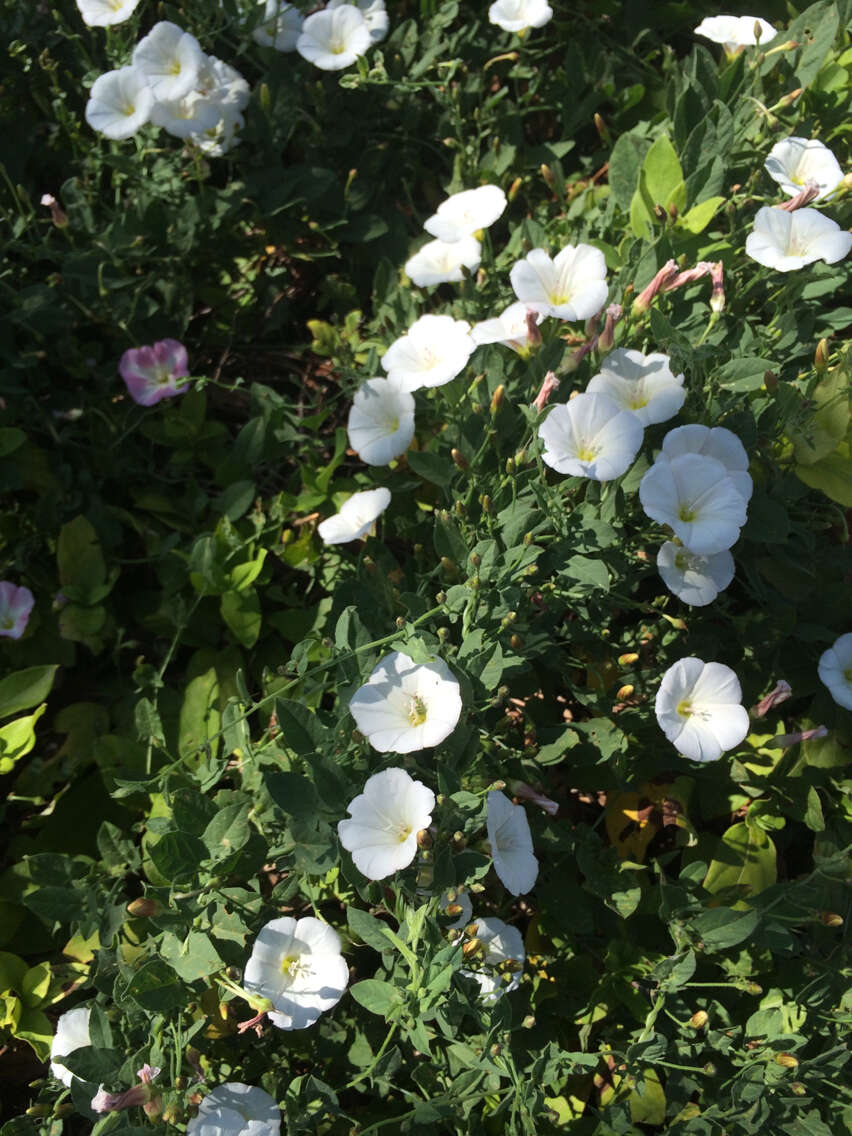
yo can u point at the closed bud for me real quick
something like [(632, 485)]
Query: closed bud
[(673, 211), (710, 1069), (770, 381), (528, 1022), (460, 509), (449, 566), (547, 174), (459, 843), (510, 465), (624, 691), (497, 400), (459, 459), (514, 188), (520, 457), (453, 910), (476, 407), (786, 1060), (143, 908), (831, 919), (474, 583), (265, 98), (698, 1019), (443, 634), (602, 128), (508, 619), (472, 947), (495, 1050), (471, 929), (424, 839), (516, 642), (39, 1110), (798, 1088), (485, 502), (821, 355), (476, 560), (400, 623), (172, 1114), (659, 212), (753, 988), (63, 1109), (628, 659), (441, 598)]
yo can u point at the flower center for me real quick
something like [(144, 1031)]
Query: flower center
[(403, 833), (682, 562), (638, 401), (686, 514), (128, 109), (292, 966), (684, 708), (587, 453), (417, 713), (8, 622), (175, 67)]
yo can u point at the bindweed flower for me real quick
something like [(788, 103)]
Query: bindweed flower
[(660, 282), (183, 118), (511, 328), (797, 162), (381, 421), (16, 604), (713, 442), (835, 670), (694, 495), (550, 383), (644, 384), (170, 59), (72, 1032), (333, 38), (406, 706), (440, 262), (154, 373), (281, 26), (518, 15), (571, 286), (696, 580), (590, 436), (432, 352), (236, 1109), (780, 693), (120, 103), (501, 944), (57, 214), (105, 13), (297, 965), (217, 140), (787, 241), (735, 32), (356, 517), (698, 708), (463, 214), (381, 831), (511, 844), (374, 13), (140, 1094), (522, 789)]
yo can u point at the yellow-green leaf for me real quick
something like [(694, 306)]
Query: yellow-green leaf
[(744, 863), (699, 216)]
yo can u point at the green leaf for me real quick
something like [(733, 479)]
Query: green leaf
[(241, 613), (154, 987), (82, 571), (293, 793), (699, 216), (301, 732), (723, 927), (35, 985), (625, 162), (832, 474), (244, 575), (376, 996), (17, 738), (35, 1028), (744, 863), (449, 541), (431, 467), (177, 855), (663, 174), (23, 689), (368, 929), (192, 959), (93, 1064), (199, 715), (589, 574), (829, 423), (742, 375), (228, 831)]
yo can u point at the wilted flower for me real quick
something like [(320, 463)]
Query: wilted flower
[(170, 60), (281, 26), (154, 373), (140, 1094), (795, 162), (590, 436), (440, 262), (236, 1109), (463, 214), (696, 580), (572, 286), (502, 944), (72, 1032), (385, 819), (333, 38), (549, 384), (15, 607), (779, 693), (835, 670), (374, 13), (298, 966), (511, 328), (518, 15), (406, 706), (713, 442), (787, 241), (381, 421), (522, 789), (511, 844), (694, 495), (104, 13), (644, 384), (432, 352), (356, 517), (735, 32), (119, 103), (698, 708)]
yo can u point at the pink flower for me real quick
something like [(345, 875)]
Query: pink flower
[(15, 607), (152, 373)]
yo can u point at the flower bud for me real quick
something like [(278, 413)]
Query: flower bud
[(602, 129), (770, 381), (798, 1088), (821, 355), (57, 214), (516, 642), (699, 1019), (514, 188), (624, 692), (424, 839), (443, 634), (831, 919), (497, 400), (485, 502), (471, 948), (453, 910), (528, 1022), (459, 843), (266, 99), (143, 908), (471, 929), (39, 1110), (547, 174), (459, 459), (786, 1060), (533, 330), (441, 598), (709, 1069), (628, 658), (476, 559), (520, 457), (449, 566), (400, 623), (510, 465)]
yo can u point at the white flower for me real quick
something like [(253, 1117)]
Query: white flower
[(696, 580), (381, 422), (502, 943), (184, 117), (104, 13), (694, 495), (518, 15), (406, 706), (16, 605), (218, 139), (462, 899), (281, 27), (432, 352), (835, 670), (735, 32), (235, 1109), (462, 214), (298, 966), (590, 436), (170, 59), (119, 103), (698, 708), (222, 84), (511, 844), (374, 15), (787, 241), (644, 384), (356, 516), (570, 287), (713, 442), (333, 38), (440, 262), (795, 162), (72, 1032), (385, 819), (511, 328)]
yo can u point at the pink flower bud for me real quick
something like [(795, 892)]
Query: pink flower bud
[(522, 789), (717, 299), (606, 337), (533, 330), (774, 698), (784, 741), (550, 384), (643, 300), (804, 197)]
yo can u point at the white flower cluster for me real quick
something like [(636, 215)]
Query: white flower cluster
[(172, 84), (332, 38)]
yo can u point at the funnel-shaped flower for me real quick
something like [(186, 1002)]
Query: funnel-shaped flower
[(374, 13), (713, 442), (406, 706), (15, 607), (695, 496), (298, 966), (644, 384), (385, 819), (432, 352), (333, 38), (105, 13), (788, 241), (511, 328), (572, 286), (154, 373), (463, 214), (735, 32), (696, 580), (119, 103), (170, 60), (518, 15), (835, 670), (356, 517), (511, 844), (381, 422), (72, 1032), (281, 27), (796, 162), (440, 262), (502, 944), (236, 1109), (590, 436), (699, 709)]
